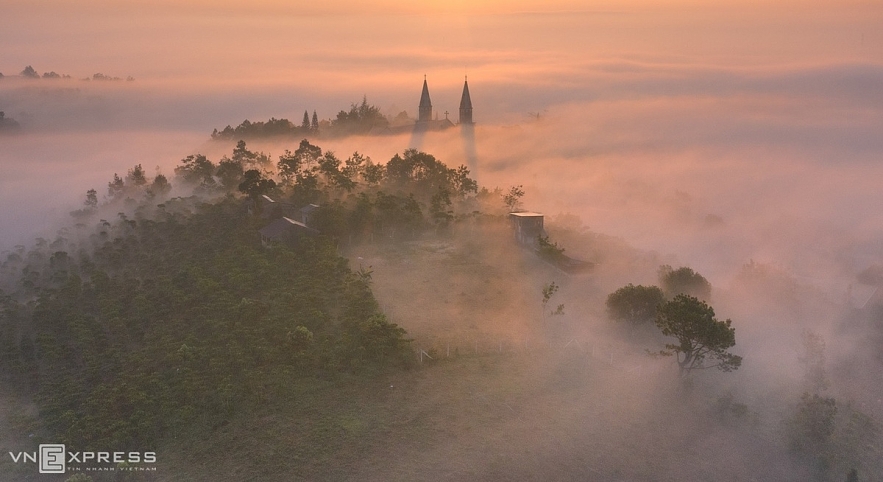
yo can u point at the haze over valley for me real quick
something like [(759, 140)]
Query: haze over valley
[(739, 142)]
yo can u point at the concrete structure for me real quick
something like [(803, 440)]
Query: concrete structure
[(527, 227)]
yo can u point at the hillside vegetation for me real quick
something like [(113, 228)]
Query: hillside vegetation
[(160, 320)]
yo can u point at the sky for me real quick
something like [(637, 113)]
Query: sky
[(644, 118)]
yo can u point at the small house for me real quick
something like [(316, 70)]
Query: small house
[(527, 227), (306, 214), (268, 208), (285, 231)]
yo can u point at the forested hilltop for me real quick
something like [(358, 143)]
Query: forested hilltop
[(172, 316), (155, 313), (361, 119)]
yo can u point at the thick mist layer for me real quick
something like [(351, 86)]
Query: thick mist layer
[(742, 143), (776, 164)]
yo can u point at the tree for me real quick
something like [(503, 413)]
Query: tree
[(291, 166), (699, 334), (361, 118), (254, 185), (462, 183), (91, 199), (116, 186), (136, 176), (305, 125), (288, 167), (247, 158), (422, 173), (361, 218), (355, 166), (30, 73), (307, 154), (811, 427), (440, 208), (301, 170), (160, 185), (423, 170), (549, 250), (683, 281), (549, 290), (512, 199), (230, 173), (373, 173), (329, 167), (634, 304), (197, 169), (380, 341), (315, 125), (398, 216)]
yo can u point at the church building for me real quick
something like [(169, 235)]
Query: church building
[(425, 120)]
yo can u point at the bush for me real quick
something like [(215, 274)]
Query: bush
[(634, 304)]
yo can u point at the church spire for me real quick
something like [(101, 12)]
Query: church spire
[(465, 104), (425, 104)]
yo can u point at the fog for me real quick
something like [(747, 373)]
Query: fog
[(647, 133)]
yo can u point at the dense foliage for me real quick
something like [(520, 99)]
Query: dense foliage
[(357, 198), (174, 313), (634, 304), (683, 281), (253, 130), (701, 338), (152, 322), (362, 118)]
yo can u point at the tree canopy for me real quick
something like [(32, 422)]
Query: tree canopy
[(702, 340), (29, 72), (253, 130), (634, 304), (181, 317), (683, 281), (360, 119)]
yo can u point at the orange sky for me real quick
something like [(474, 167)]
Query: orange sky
[(229, 41), (635, 84)]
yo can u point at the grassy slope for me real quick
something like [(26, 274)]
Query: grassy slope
[(535, 414)]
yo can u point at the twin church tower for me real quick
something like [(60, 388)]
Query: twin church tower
[(425, 119)]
